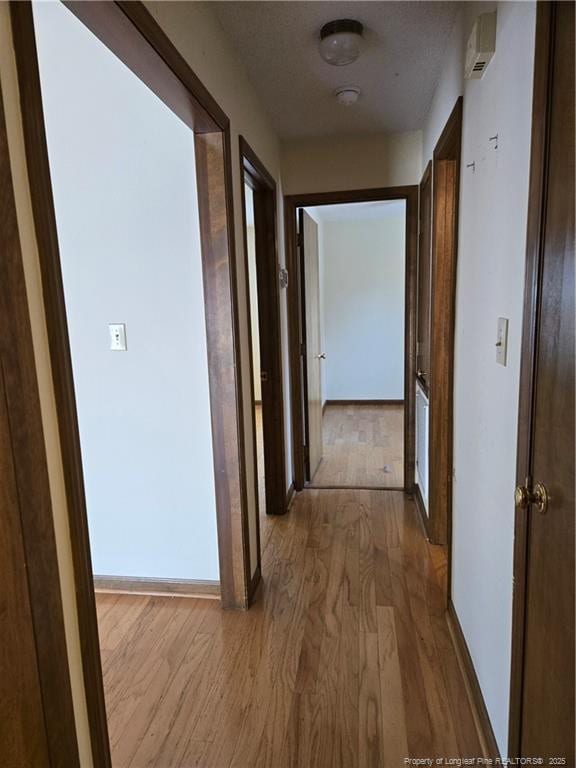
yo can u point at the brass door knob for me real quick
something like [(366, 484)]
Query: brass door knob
[(539, 497), (521, 496)]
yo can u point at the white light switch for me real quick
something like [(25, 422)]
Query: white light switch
[(117, 337), (502, 340)]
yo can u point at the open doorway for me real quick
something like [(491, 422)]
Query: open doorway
[(133, 291), (255, 367), (353, 296), (263, 305), (352, 324), (131, 208)]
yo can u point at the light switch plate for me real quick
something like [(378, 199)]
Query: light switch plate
[(502, 341), (117, 337)]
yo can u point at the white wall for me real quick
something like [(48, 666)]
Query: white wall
[(450, 85), (363, 306), (334, 163), (124, 184), (490, 284)]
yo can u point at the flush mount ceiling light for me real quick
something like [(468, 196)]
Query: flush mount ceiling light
[(340, 41), (347, 95)]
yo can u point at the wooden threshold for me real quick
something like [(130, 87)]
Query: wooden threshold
[(312, 487), (363, 402), (136, 585), (472, 686)]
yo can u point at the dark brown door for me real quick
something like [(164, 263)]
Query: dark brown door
[(312, 346), (268, 301), (547, 688), (424, 258)]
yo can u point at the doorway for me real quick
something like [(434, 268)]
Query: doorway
[(352, 337), (259, 203), (352, 262), (131, 35)]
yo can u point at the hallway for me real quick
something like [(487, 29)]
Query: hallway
[(344, 660)]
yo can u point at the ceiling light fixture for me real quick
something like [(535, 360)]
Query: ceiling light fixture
[(340, 41), (347, 95)]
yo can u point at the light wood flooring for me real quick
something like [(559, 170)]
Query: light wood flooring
[(363, 447), (344, 661)]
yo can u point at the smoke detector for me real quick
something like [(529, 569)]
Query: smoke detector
[(481, 46), (347, 95)]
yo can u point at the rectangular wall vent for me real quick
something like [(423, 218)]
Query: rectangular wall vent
[(481, 46)]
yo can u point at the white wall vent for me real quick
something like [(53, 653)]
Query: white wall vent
[(481, 46)]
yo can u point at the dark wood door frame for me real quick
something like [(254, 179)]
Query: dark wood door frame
[(303, 340), (27, 531), (295, 330), (132, 34), (446, 161), (537, 199), (263, 186), (424, 283)]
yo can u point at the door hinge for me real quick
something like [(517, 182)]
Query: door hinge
[(303, 350), (299, 240)]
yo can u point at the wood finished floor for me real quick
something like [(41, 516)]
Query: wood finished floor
[(363, 446), (345, 660)]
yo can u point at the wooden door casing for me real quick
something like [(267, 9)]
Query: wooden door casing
[(445, 194), (292, 204), (442, 350), (22, 732), (424, 280), (37, 726), (312, 344)]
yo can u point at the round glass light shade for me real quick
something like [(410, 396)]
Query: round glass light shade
[(340, 42)]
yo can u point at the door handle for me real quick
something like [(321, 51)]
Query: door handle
[(322, 356), (539, 496)]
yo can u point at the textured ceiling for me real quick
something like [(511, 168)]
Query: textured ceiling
[(397, 70)]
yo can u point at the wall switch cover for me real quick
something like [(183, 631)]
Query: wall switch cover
[(117, 337), (502, 340)]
